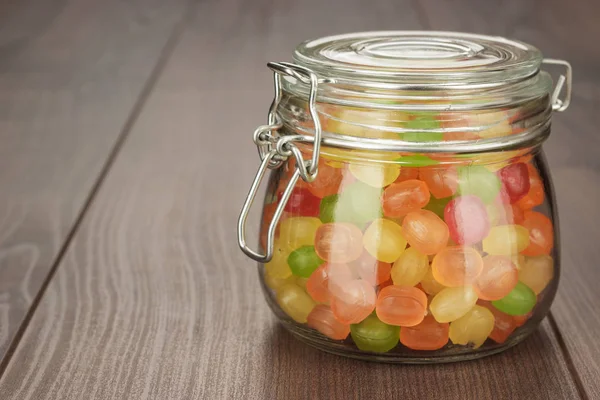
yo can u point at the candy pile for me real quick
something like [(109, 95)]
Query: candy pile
[(424, 256)]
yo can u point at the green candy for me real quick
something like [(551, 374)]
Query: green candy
[(426, 123), (373, 335), (418, 160), (437, 205), (327, 208), (358, 204), (304, 261), (478, 181), (519, 301)]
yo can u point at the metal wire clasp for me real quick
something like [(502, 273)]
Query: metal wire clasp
[(274, 150), (561, 104)]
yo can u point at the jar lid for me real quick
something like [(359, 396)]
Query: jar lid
[(420, 60)]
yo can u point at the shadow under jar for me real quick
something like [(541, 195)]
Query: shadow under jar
[(409, 215)]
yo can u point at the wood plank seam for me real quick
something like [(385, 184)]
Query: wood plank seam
[(163, 59)]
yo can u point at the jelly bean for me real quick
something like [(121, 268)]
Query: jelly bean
[(452, 303), (374, 335), (506, 240), (467, 219), (376, 175), (515, 181), (498, 278), (410, 268), (354, 301), (298, 231), (428, 335), (303, 203), (478, 181), (441, 181), (519, 301), (401, 198), (425, 231), (326, 279), (437, 206), (321, 318), (504, 324), (407, 173), (278, 266), (327, 182), (338, 242), (401, 305), (536, 195), (457, 266), (541, 233), (474, 327), (275, 282), (537, 272), (371, 270), (383, 239), (304, 261), (430, 285), (295, 302)]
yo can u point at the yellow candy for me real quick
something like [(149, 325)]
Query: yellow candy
[(295, 302), (383, 240), (537, 272), (278, 267), (275, 283), (506, 240), (474, 327), (410, 268), (301, 282), (298, 231), (376, 175), (452, 303), (430, 285), (497, 124)]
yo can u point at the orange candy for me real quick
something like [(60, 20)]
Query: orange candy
[(326, 279), (425, 231), (541, 233), (371, 270), (442, 182), (354, 302), (401, 305), (407, 173), (327, 182), (535, 196), (457, 266), (498, 278), (401, 198), (428, 335), (338, 242), (322, 319), (504, 324), (521, 319)]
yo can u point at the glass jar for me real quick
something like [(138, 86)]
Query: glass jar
[(409, 215)]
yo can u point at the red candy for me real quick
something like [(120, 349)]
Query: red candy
[(515, 181), (535, 196), (467, 219), (401, 198), (302, 203)]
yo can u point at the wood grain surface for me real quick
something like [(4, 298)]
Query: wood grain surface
[(70, 73), (152, 298)]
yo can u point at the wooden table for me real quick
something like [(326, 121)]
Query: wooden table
[(125, 154)]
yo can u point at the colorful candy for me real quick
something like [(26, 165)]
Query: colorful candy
[(428, 335), (519, 301), (298, 231), (472, 328), (378, 175), (304, 261), (321, 318), (457, 266), (327, 182), (441, 181), (425, 231), (430, 285), (401, 198), (478, 181), (506, 240), (515, 181), (295, 302), (498, 278), (303, 203), (384, 240), (541, 233), (338, 242), (467, 219), (504, 324), (536, 195), (354, 301), (278, 266), (371, 270), (410, 268), (537, 272), (326, 279), (401, 305), (452, 303), (373, 335)]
